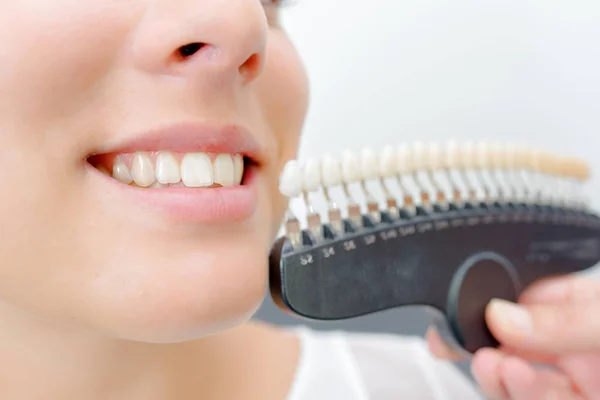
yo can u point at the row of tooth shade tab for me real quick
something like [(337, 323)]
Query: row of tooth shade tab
[(458, 173)]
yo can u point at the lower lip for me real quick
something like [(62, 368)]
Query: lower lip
[(198, 205)]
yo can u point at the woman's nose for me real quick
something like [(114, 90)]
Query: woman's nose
[(196, 38)]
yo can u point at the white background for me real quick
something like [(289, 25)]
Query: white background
[(390, 71)]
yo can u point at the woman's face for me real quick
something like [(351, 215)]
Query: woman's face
[(164, 96)]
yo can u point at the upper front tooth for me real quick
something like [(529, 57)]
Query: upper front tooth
[(223, 170), (238, 168), (196, 170), (167, 168), (142, 170)]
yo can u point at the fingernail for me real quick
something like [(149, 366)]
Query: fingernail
[(512, 317)]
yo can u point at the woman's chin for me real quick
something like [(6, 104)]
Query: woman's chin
[(185, 301)]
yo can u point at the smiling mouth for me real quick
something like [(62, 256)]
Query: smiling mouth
[(167, 169), (194, 173)]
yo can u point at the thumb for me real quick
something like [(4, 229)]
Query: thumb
[(563, 289), (547, 328)]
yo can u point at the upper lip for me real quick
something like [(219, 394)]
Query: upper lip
[(194, 137)]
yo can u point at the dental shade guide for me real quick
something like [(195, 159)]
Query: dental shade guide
[(507, 216)]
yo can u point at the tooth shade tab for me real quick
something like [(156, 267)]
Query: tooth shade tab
[(351, 167), (497, 154), (369, 164), (483, 155), (522, 156), (331, 174), (403, 160), (491, 172), (582, 170), (511, 156), (433, 157), (170, 169), (451, 155), (468, 155), (311, 175), (387, 162), (290, 182), (418, 156)]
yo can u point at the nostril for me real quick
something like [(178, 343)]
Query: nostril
[(251, 67), (189, 49)]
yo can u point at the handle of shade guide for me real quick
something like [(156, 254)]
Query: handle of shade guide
[(483, 277)]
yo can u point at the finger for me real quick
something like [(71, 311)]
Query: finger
[(439, 348), (563, 289), (485, 368), (523, 382), (519, 379), (552, 329), (530, 356), (583, 373)]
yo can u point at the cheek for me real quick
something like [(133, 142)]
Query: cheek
[(54, 55), (57, 55), (283, 88)]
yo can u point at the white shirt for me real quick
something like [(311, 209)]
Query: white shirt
[(351, 366)]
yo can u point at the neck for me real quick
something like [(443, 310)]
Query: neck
[(40, 360)]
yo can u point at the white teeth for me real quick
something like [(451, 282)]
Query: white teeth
[(497, 153), (142, 170), (330, 171), (369, 164), (483, 154), (238, 168), (433, 157), (403, 160), (350, 167), (158, 185), (290, 183), (387, 162), (312, 176), (468, 155), (121, 172), (223, 170), (521, 156), (196, 170), (418, 153), (167, 168), (452, 155)]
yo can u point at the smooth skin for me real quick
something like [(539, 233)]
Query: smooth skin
[(550, 343), (103, 298)]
